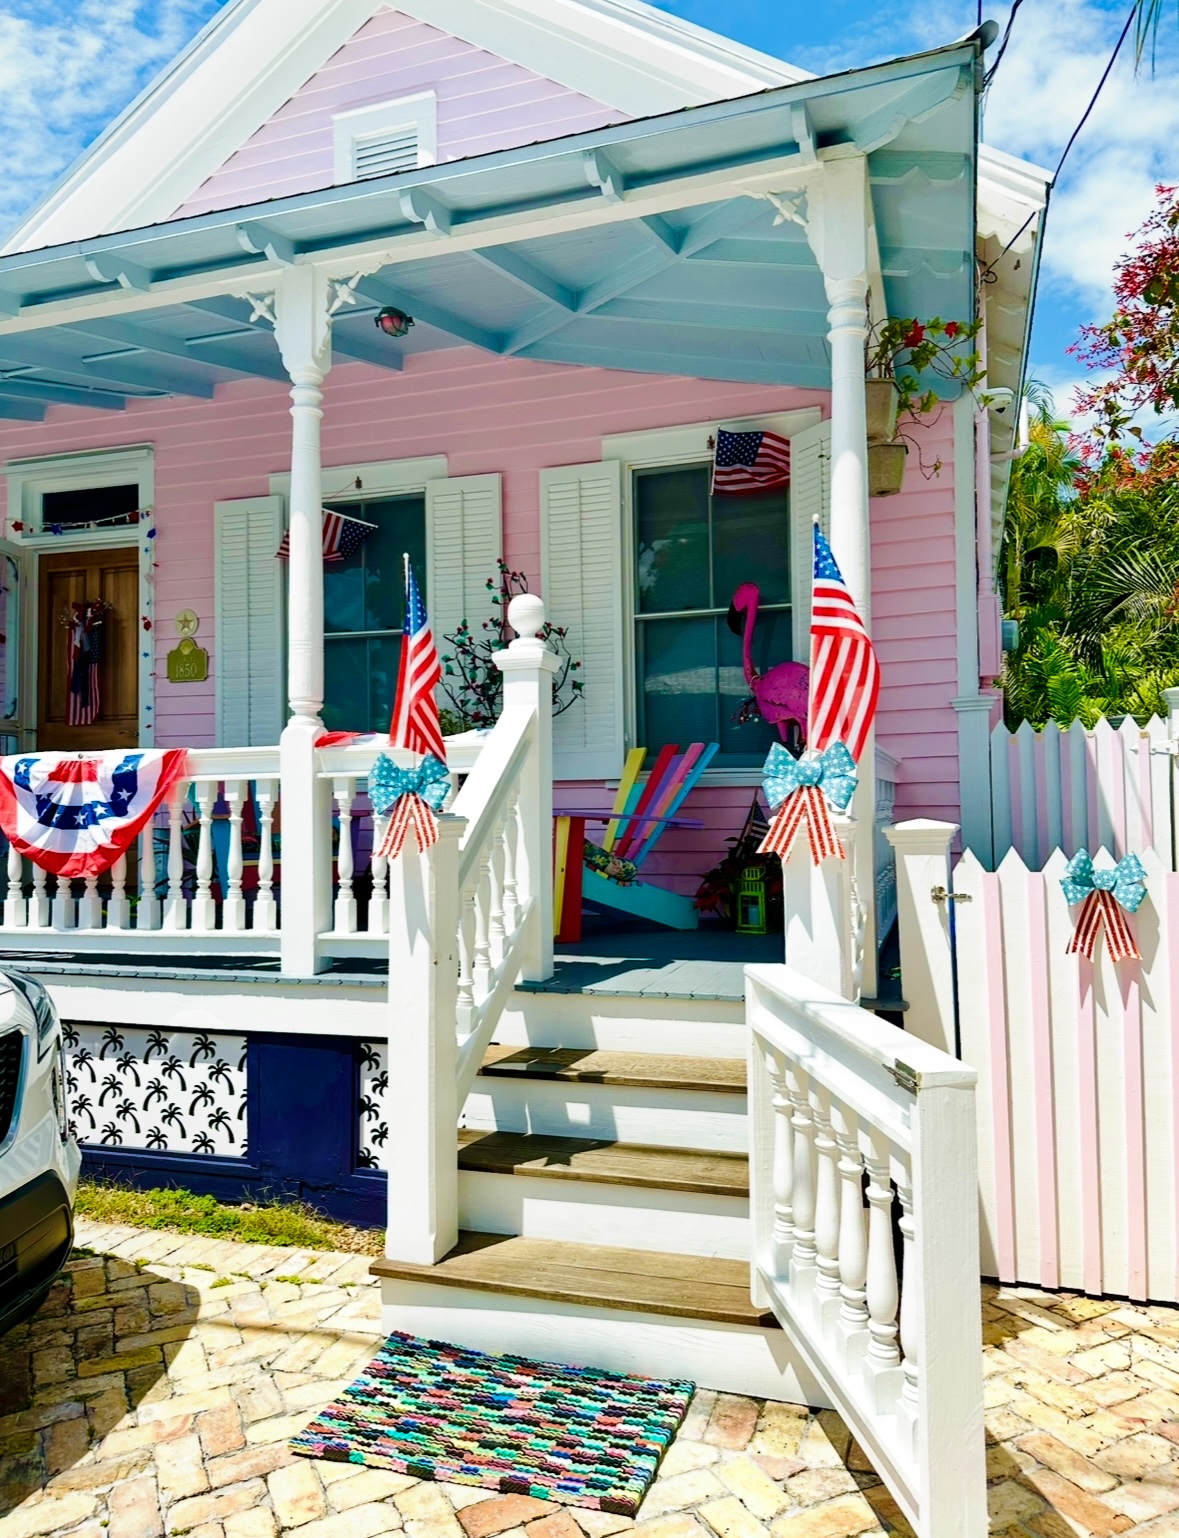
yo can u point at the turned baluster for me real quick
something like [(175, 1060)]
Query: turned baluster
[(783, 1167), (511, 839), (495, 875), (90, 905), (465, 1004), (39, 903), (175, 908), (803, 1189), (826, 1196), (16, 909), (233, 908), (378, 903), (147, 910), (344, 920), (882, 1271), (204, 912), (64, 909), (853, 1238), (482, 968), (910, 1333), (265, 915), (118, 909)]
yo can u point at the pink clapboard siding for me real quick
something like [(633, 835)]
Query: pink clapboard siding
[(485, 103), (516, 417)]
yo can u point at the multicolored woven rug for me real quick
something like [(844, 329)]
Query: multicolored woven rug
[(436, 1411)]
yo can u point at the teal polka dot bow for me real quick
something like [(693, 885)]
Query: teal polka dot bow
[(1106, 896), (408, 797), (800, 789)]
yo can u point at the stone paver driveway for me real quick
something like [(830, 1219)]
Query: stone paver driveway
[(155, 1392)]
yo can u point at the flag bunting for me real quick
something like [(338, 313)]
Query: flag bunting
[(75, 814), (1106, 896), (799, 790), (409, 798), (845, 673), (744, 463)]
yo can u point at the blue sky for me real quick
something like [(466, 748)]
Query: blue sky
[(67, 69)]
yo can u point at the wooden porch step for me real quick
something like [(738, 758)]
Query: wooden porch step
[(604, 1162), (633, 1070), (593, 1276)]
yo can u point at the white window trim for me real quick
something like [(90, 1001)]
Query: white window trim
[(383, 478), (28, 480), (419, 112), (673, 446)]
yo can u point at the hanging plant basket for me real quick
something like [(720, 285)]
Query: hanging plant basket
[(881, 400), (886, 468)]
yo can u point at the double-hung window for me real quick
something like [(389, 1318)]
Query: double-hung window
[(364, 612), (692, 551)]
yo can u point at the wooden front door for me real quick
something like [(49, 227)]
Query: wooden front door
[(81, 577)]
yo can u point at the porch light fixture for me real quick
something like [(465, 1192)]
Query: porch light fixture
[(393, 322)]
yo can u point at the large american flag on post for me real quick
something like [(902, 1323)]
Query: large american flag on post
[(845, 674), (747, 462), (415, 722)]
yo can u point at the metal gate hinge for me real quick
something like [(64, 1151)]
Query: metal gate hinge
[(908, 1078), (938, 894)]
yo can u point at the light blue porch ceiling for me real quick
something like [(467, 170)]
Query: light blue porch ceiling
[(724, 290)]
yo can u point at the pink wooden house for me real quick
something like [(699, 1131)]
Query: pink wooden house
[(615, 233)]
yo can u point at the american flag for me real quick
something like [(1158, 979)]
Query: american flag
[(415, 723), (845, 675), (748, 462), (83, 651), (342, 537)]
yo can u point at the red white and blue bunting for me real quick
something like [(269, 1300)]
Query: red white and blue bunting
[(74, 814)]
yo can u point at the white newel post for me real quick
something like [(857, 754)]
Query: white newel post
[(303, 329), (819, 922), (528, 666), (837, 228), (421, 1102), (924, 899)]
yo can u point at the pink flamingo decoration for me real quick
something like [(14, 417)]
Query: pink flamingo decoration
[(780, 693)]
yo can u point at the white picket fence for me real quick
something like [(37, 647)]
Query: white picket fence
[(1077, 787), (844, 1107)]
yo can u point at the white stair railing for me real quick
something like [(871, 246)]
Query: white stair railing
[(467, 919), (844, 1109)]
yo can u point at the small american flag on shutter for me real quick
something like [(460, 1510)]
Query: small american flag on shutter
[(749, 462), (342, 537)]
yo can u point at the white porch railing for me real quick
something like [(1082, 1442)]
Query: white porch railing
[(467, 919), (848, 1113)]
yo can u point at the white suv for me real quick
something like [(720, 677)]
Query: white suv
[(39, 1159)]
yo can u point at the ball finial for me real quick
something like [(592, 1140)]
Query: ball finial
[(526, 615)]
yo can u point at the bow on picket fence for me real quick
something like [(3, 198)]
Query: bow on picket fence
[(1103, 895), (799, 789), (412, 796)]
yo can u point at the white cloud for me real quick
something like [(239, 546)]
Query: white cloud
[(66, 70)]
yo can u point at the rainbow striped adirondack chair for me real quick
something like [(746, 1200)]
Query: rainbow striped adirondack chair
[(641, 812)]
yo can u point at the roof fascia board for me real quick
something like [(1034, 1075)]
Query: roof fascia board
[(238, 72), (627, 55)]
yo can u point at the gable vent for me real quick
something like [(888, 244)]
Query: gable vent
[(380, 154)]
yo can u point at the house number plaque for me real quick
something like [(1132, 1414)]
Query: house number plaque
[(188, 663)]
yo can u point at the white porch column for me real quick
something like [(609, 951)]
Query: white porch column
[(838, 230), (303, 329)]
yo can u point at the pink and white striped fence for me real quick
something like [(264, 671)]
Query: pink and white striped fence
[(1073, 787), (1078, 1093)]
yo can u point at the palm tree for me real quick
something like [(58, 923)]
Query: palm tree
[(156, 1138), (127, 1063), (174, 1069), (157, 1041), (125, 1111), (203, 1096), (84, 1058), (112, 1037), (203, 1046), (220, 1122), (220, 1070), (156, 1090), (112, 1135), (171, 1115), (83, 1106), (110, 1086)]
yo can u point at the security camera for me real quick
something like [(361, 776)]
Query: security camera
[(1000, 400)]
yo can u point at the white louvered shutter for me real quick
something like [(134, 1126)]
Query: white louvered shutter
[(248, 622), (464, 540), (581, 583), (810, 493)]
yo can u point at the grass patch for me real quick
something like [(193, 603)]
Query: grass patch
[(279, 1222)]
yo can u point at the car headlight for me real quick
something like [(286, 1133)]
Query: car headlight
[(42, 1007)]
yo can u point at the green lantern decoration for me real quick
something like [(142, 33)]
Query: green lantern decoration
[(752, 904)]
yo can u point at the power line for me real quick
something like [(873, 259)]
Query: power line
[(988, 271), (990, 74)]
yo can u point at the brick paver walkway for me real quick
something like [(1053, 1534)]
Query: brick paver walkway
[(156, 1390)]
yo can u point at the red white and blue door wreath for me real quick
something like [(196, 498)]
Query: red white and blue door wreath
[(74, 814), (1106, 896), (798, 791), (409, 798)]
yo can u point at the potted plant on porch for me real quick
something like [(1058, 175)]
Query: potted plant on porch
[(901, 353)]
